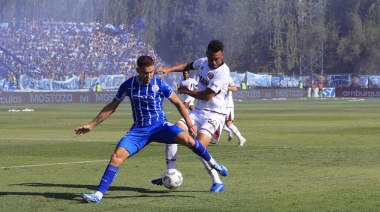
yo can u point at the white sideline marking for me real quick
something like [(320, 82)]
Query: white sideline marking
[(95, 161), (144, 158), (149, 158), (48, 139), (51, 164)]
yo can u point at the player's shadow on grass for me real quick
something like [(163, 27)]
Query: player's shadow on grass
[(76, 196)]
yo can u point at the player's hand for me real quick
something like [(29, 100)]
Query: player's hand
[(164, 72), (182, 89), (83, 130), (193, 130)]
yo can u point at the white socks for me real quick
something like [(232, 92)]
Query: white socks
[(99, 194), (171, 155), (235, 130), (213, 173)]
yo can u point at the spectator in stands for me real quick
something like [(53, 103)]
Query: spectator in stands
[(320, 89), (56, 50), (313, 87)]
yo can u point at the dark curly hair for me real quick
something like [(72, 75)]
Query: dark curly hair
[(215, 46)]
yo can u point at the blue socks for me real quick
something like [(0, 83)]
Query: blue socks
[(108, 177), (200, 150)]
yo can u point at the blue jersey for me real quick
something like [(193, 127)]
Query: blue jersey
[(146, 99)]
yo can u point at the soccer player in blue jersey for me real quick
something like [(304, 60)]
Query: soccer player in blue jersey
[(146, 93)]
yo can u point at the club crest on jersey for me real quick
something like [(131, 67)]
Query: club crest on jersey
[(155, 88), (210, 75)]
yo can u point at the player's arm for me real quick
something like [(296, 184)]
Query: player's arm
[(203, 95), (103, 115), (177, 68), (232, 88), (182, 110)]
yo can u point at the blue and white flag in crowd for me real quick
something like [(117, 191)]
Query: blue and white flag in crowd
[(238, 78), (258, 80), (3, 25), (112, 29)]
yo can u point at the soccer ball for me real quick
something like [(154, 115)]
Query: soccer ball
[(172, 179)]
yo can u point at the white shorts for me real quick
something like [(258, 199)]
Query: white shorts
[(189, 99), (207, 122), (230, 114)]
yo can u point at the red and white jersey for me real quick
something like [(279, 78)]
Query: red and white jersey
[(229, 99), (215, 79)]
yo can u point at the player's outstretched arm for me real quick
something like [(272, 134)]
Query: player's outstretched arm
[(182, 110), (103, 115), (206, 95), (177, 68)]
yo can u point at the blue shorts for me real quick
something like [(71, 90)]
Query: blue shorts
[(138, 137)]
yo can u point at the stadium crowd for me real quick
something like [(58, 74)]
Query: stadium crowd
[(58, 50)]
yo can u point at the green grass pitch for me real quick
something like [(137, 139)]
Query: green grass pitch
[(300, 155)]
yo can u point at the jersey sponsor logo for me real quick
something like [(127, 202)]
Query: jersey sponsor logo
[(203, 80), (143, 97)]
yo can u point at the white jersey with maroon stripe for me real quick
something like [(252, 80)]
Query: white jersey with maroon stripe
[(215, 79)]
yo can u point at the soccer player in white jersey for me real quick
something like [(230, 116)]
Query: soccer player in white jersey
[(229, 125), (209, 113), (190, 84), (146, 93)]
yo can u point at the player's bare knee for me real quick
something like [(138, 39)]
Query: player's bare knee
[(184, 140), (116, 160)]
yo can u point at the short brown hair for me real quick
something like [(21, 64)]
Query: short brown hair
[(144, 61)]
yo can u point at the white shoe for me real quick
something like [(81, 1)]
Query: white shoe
[(241, 142)]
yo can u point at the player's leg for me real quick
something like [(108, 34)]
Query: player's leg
[(171, 158), (217, 184), (182, 137), (225, 127), (170, 155), (210, 133), (126, 148), (234, 129), (109, 175), (191, 104), (198, 148), (230, 133), (186, 105)]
